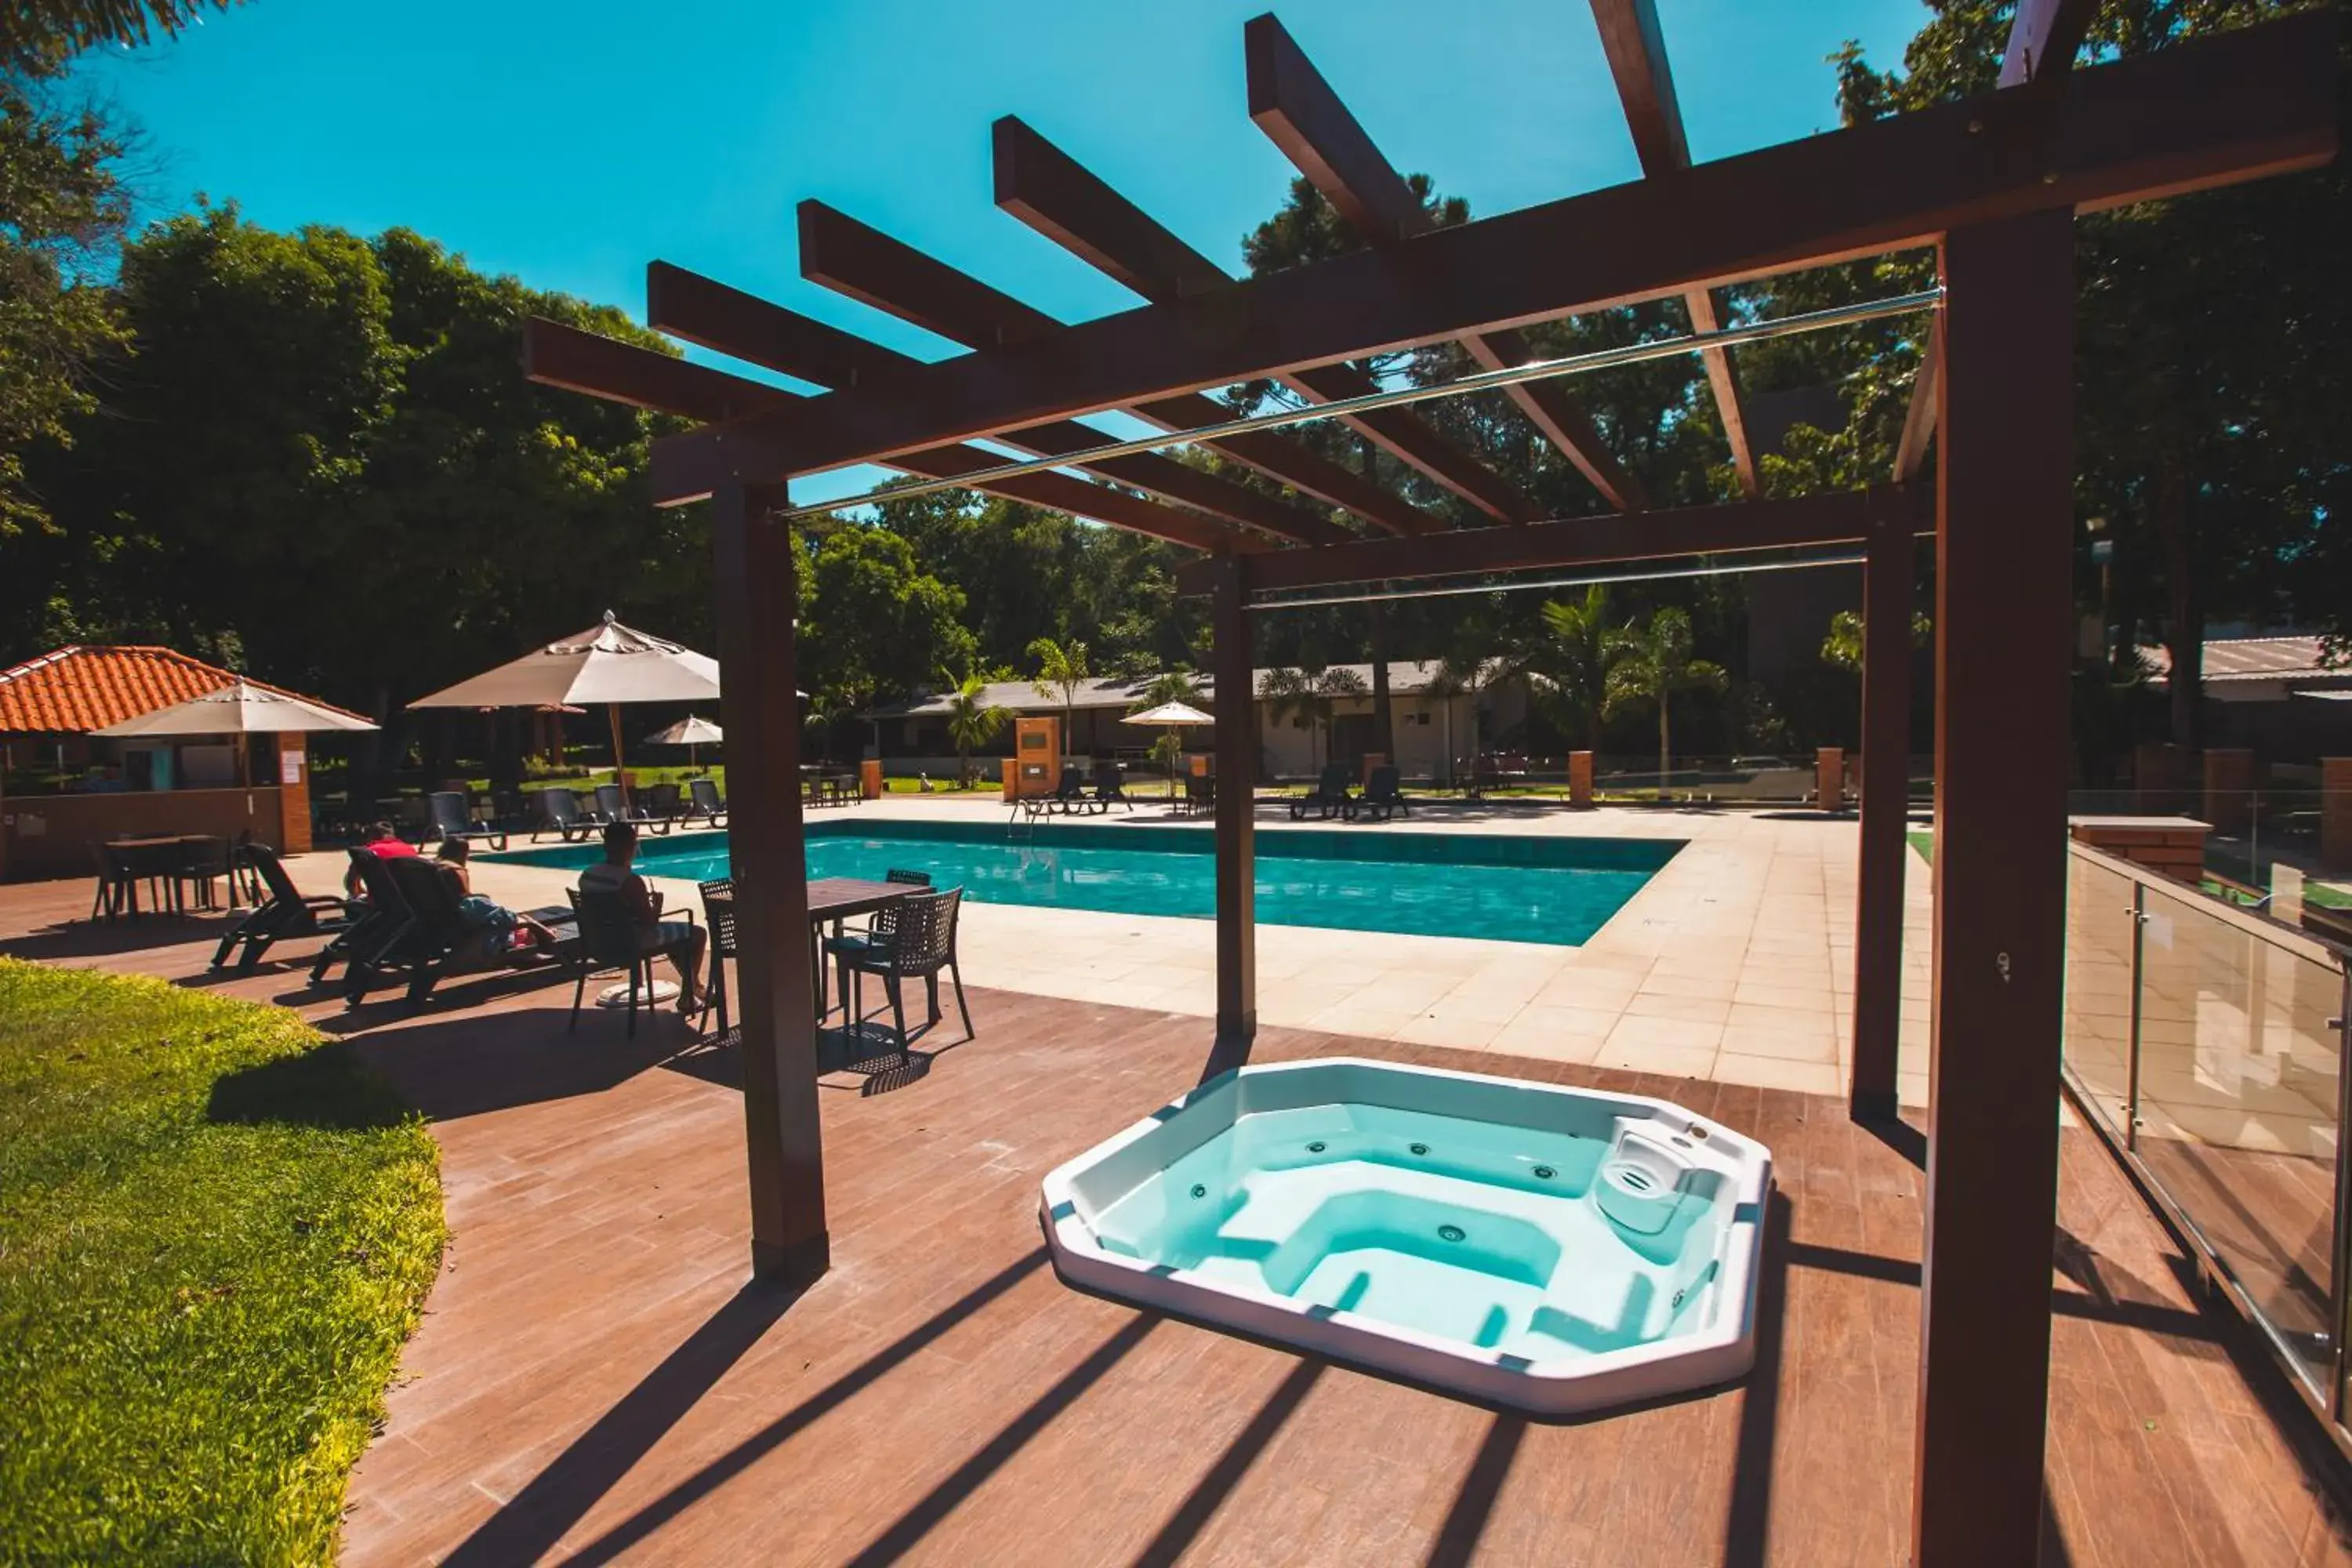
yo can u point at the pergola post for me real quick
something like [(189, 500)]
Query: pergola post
[(774, 988), (1885, 789), (2004, 610), (1235, 705)]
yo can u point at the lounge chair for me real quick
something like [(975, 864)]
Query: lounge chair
[(1110, 781), (287, 913), (1381, 798), (662, 803), (1200, 794), (614, 805), (1328, 796), (1068, 797), (704, 803), (432, 940), (922, 942), (453, 817), (559, 812), (376, 916)]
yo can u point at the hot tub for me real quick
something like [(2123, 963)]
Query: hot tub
[(1555, 1251)]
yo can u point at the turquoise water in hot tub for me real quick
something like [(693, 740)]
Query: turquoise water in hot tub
[(1485, 1234), (1554, 891)]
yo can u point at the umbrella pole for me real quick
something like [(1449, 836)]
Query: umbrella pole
[(620, 773)]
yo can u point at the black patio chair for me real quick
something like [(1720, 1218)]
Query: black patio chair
[(559, 812), (434, 940), (202, 866), (1328, 796), (663, 803), (1381, 798), (1200, 794), (609, 940), (704, 803), (286, 912), (922, 943), (118, 889), (718, 914), (376, 916), (452, 816), (880, 929)]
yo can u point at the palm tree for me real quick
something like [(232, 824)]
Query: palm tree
[(1571, 655), (1650, 665), (1061, 668), (1468, 671), (972, 720), (1306, 698), (1169, 686), (1842, 650)]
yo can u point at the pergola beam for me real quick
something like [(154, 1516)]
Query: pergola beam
[(555, 354), (1302, 114), (1730, 528), (2232, 107), (1645, 84), (812, 350), (2044, 38), (1919, 419), (1051, 192)]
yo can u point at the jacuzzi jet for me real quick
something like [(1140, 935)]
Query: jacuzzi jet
[(1199, 1190), (1315, 1148), (1450, 1233), (1421, 1148), (1545, 1173)]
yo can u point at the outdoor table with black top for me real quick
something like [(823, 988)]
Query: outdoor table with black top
[(163, 858), (835, 899)]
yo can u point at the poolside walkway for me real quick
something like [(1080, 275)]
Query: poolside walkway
[(595, 1380), (1733, 962)]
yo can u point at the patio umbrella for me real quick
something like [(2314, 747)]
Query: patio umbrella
[(690, 731), (609, 664), (1171, 717), (240, 707)]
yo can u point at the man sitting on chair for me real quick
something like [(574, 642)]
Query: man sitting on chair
[(682, 941)]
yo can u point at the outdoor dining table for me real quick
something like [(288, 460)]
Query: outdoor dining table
[(161, 857), (835, 900)]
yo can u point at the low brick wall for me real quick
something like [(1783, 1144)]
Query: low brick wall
[(2174, 846), (47, 835)]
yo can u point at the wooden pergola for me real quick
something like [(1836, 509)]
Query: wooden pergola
[(1992, 182)]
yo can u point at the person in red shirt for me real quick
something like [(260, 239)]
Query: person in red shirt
[(384, 844)]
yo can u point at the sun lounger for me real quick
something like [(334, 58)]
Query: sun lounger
[(1381, 798), (614, 805), (704, 803), (430, 938), (1109, 787), (559, 812), (1328, 796), (287, 912), (453, 817)]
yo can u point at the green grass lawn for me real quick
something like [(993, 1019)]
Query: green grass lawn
[(217, 1228), (1926, 844)]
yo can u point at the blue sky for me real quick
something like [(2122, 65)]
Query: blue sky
[(570, 144)]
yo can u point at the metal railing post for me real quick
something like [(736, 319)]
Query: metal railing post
[(2131, 1053), (2340, 1257)]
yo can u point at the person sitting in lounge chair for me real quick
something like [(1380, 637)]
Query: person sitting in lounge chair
[(384, 844), (503, 930), (680, 940)]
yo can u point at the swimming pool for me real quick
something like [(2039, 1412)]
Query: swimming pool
[(1556, 890), (1549, 1249)]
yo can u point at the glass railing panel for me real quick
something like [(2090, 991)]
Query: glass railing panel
[(2237, 1106), (2097, 1041)]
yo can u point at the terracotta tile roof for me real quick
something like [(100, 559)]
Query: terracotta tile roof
[(83, 688), (2251, 659)]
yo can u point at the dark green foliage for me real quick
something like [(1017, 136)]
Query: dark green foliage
[(216, 1230)]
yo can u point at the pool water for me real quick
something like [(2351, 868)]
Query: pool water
[(1554, 891)]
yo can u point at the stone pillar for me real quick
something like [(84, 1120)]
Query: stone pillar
[(2174, 846), (1829, 777), (1012, 779), (2228, 788), (1372, 760), (1580, 778), (2336, 813), (869, 778), (293, 795)]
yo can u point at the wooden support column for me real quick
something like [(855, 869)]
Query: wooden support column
[(1885, 792), (2004, 622), (774, 996), (1236, 714)]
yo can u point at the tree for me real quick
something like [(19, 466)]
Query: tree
[(972, 720), (1842, 650), (1650, 665), (1061, 668), (41, 34), (1306, 698), (1570, 660), (874, 626)]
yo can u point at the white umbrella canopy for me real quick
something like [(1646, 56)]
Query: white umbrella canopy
[(608, 663), (691, 732), (239, 708), (1169, 715)]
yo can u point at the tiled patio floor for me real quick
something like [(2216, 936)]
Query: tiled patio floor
[(595, 1381)]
